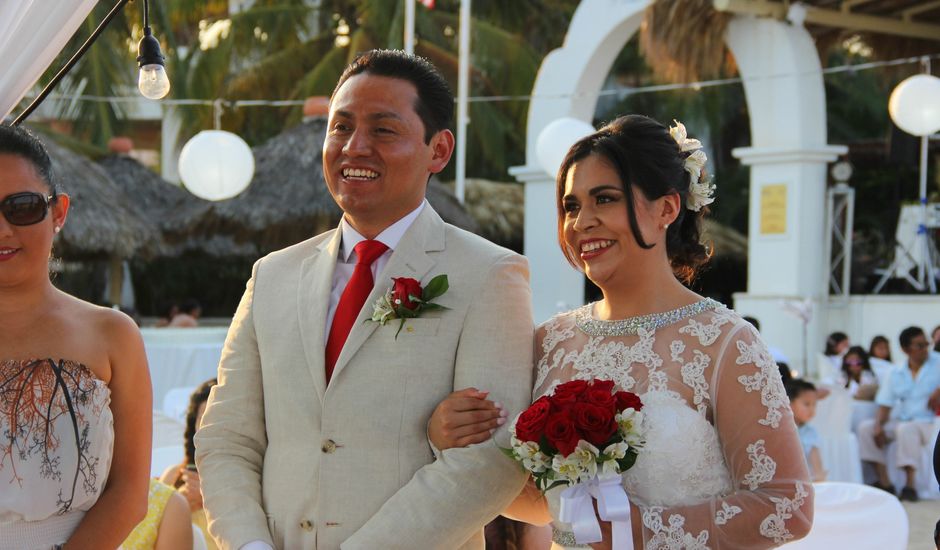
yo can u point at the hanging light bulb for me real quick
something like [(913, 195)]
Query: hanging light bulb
[(153, 82)]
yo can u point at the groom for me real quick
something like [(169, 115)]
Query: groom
[(315, 437)]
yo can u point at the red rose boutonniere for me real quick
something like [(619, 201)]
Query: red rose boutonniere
[(406, 299)]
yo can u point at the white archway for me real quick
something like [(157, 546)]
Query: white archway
[(788, 158)]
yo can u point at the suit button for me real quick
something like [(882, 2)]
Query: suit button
[(329, 446), (306, 525)]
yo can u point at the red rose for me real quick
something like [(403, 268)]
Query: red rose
[(404, 288), (602, 398), (573, 387), (563, 402), (626, 400), (531, 423), (561, 433), (595, 423), (605, 385)]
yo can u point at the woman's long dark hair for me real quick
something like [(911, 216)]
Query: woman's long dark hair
[(879, 340), (833, 341), (199, 396), (866, 365)]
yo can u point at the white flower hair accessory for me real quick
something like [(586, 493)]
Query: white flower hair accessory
[(701, 191)]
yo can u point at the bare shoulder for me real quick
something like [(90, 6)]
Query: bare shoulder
[(116, 332)]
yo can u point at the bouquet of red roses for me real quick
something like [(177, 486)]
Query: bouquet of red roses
[(583, 430)]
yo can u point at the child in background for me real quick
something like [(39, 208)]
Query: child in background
[(803, 398)]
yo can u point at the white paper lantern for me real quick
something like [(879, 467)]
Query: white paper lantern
[(915, 105), (216, 165), (555, 140)]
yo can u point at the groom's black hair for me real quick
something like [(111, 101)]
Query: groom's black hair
[(435, 103)]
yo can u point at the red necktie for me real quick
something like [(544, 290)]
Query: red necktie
[(351, 302)]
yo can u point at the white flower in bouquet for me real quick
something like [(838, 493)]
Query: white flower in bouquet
[(580, 466), (617, 450), (533, 459)]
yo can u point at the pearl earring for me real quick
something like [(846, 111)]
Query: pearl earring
[(57, 229)]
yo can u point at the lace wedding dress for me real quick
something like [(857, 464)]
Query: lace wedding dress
[(722, 466)]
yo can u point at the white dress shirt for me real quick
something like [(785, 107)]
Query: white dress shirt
[(345, 265)]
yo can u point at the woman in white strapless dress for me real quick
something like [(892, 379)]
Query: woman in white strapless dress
[(74, 387), (722, 466)]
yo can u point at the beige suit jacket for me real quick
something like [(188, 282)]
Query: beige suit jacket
[(286, 459)]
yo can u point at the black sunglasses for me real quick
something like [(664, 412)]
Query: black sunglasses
[(26, 208)]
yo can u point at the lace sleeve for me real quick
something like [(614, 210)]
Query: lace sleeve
[(772, 498)]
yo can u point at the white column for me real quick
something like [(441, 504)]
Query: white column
[(556, 285), (789, 155), (169, 144), (463, 92), (409, 26)]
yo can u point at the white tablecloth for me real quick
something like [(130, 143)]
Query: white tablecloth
[(181, 357)]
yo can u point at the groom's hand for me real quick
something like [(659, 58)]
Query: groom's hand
[(463, 418)]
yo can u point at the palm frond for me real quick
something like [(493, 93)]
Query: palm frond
[(666, 34)]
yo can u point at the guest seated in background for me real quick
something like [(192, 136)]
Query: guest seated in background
[(169, 311), (904, 414), (188, 316), (830, 363), (879, 357), (935, 338), (184, 477), (857, 376), (508, 534), (166, 526), (803, 398)]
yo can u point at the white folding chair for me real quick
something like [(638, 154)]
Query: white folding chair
[(838, 446), (176, 401), (848, 515)]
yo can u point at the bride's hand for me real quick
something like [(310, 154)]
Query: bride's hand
[(463, 418)]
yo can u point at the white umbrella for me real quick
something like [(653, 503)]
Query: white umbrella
[(31, 36)]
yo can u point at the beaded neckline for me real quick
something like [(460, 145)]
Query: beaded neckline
[(622, 327)]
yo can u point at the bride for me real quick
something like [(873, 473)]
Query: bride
[(722, 466)]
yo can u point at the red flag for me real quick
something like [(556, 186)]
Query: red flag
[(429, 4)]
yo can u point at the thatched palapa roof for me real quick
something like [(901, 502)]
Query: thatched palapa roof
[(181, 216), (102, 222), (683, 40), (171, 207), (288, 200)]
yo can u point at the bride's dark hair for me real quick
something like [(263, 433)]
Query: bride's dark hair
[(644, 155)]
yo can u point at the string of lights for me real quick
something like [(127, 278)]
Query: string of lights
[(612, 91)]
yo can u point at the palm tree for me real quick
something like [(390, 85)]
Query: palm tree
[(292, 49)]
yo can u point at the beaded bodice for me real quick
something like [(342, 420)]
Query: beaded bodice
[(722, 466)]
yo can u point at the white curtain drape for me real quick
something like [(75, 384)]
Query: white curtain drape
[(32, 33)]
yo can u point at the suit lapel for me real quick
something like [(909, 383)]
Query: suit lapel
[(410, 259), (316, 283)]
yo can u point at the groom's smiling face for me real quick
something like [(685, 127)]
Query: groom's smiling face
[(375, 158)]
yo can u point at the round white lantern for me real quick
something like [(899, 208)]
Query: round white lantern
[(915, 105), (216, 165), (555, 140)]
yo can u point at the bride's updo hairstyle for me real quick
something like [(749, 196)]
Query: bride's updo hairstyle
[(645, 155)]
